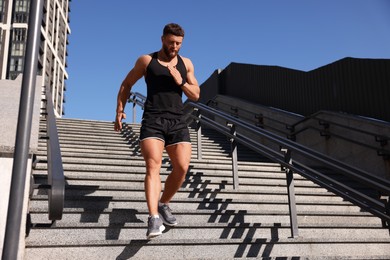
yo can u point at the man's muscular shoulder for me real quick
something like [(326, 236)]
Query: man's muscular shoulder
[(141, 64), (144, 60), (188, 63)]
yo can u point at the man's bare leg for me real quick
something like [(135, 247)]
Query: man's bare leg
[(152, 150), (180, 155)]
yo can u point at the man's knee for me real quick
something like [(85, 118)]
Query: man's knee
[(152, 166), (180, 169)]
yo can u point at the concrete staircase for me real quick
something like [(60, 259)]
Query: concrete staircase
[(105, 211)]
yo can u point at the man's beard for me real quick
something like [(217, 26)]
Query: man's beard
[(168, 53)]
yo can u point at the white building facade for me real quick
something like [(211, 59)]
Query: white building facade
[(52, 61)]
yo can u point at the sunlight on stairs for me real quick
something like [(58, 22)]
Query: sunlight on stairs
[(105, 211)]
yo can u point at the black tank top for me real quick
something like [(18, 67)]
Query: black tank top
[(164, 96)]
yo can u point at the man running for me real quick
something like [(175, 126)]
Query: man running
[(167, 76)]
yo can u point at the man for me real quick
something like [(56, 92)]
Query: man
[(167, 76)]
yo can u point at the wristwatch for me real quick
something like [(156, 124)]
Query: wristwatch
[(183, 83)]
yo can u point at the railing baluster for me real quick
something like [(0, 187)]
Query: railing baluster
[(55, 170), (291, 194), (198, 133), (233, 145), (387, 209), (134, 109)]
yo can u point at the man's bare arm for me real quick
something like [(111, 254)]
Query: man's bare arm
[(124, 91), (190, 88)]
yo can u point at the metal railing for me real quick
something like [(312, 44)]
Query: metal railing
[(23, 131), (258, 118), (55, 171), (288, 148), (324, 125), (323, 128)]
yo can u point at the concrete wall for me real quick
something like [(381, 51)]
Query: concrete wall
[(9, 108), (351, 139)]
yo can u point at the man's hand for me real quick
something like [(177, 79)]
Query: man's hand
[(175, 74), (118, 121)]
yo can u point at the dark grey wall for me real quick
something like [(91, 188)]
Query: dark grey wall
[(350, 85), (210, 88)]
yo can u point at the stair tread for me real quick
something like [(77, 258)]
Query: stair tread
[(105, 211), (203, 241)]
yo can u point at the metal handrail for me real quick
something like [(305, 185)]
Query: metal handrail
[(55, 171), (285, 130), (377, 137), (136, 99), (373, 205), (293, 132), (359, 175), (137, 95), (23, 133)]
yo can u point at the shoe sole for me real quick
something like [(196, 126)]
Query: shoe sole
[(167, 223), (155, 234)]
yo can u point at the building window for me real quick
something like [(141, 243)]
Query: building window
[(22, 6), (15, 67), (1, 11), (18, 49), (21, 10), (1, 40), (18, 46), (19, 35), (16, 64)]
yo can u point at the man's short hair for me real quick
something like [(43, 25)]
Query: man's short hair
[(173, 28)]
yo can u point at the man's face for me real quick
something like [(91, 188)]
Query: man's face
[(171, 45)]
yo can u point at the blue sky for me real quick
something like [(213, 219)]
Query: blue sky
[(108, 36)]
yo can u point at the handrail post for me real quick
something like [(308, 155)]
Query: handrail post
[(22, 141), (134, 108), (291, 194), (233, 145), (387, 209), (198, 133), (55, 170)]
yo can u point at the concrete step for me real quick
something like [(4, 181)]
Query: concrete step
[(133, 144), (258, 248), (77, 234), (40, 201), (138, 161), (75, 216), (228, 186), (105, 190), (193, 181), (111, 153), (201, 182), (204, 179)]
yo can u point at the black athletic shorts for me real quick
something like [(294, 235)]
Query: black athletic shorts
[(170, 131)]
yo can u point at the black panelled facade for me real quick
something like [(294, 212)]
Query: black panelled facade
[(350, 85)]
